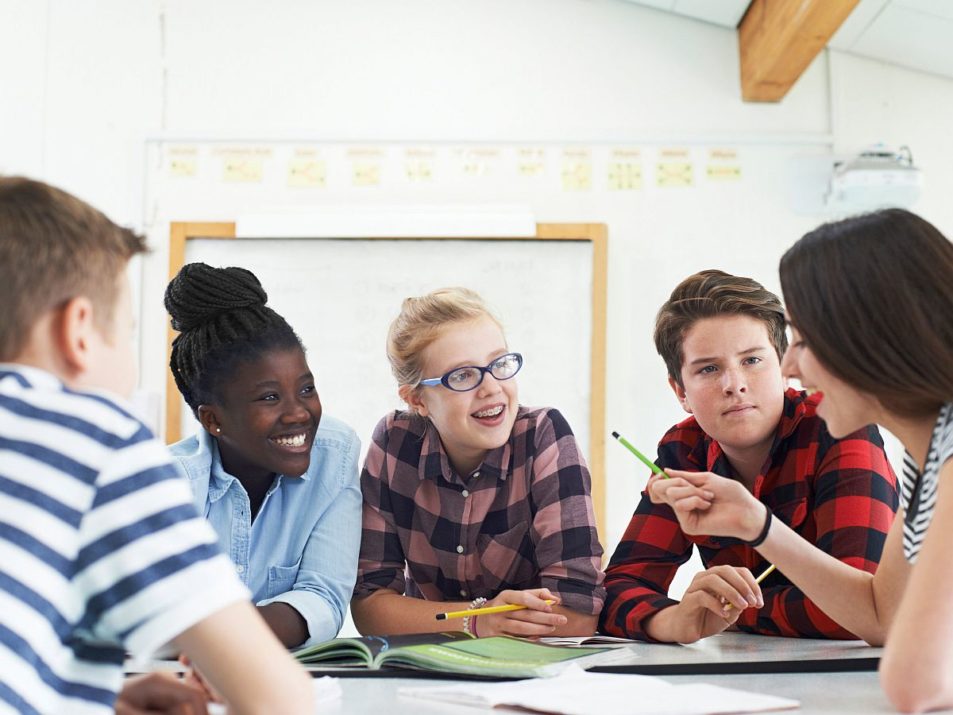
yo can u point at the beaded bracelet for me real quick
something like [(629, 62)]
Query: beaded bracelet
[(475, 603)]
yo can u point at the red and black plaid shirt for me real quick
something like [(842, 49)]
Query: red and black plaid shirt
[(839, 494), (523, 519)]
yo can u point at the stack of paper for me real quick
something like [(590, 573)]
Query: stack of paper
[(572, 693)]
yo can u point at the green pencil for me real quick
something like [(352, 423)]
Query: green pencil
[(658, 470), (645, 460)]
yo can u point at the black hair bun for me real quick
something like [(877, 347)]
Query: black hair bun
[(200, 293)]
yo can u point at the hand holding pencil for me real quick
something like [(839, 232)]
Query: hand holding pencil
[(526, 614)]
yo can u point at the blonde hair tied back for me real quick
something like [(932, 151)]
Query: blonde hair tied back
[(419, 324)]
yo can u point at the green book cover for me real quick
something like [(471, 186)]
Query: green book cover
[(454, 652)]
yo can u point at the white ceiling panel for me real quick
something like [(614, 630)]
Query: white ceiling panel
[(911, 33), (720, 12), (940, 8), (727, 13), (668, 5), (856, 24), (909, 38)]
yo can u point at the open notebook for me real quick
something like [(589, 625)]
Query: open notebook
[(572, 692), (453, 652)]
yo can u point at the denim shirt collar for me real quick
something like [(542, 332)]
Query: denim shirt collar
[(221, 481)]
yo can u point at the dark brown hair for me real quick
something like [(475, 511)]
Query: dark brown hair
[(53, 248), (709, 294), (872, 296)]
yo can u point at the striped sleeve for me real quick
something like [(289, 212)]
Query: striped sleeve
[(148, 565)]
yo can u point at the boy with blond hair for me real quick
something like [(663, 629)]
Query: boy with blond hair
[(101, 549)]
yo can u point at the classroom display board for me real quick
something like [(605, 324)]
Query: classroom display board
[(340, 295)]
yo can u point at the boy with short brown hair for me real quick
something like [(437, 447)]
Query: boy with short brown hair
[(101, 549), (722, 338)]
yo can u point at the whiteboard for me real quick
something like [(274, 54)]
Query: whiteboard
[(340, 296)]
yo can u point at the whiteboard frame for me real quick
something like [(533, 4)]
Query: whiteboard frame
[(180, 232)]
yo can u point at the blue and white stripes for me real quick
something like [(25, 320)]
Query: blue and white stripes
[(101, 550)]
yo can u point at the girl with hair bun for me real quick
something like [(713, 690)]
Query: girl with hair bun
[(870, 305), (275, 477), (471, 499)]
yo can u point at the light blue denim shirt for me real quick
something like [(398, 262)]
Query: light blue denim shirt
[(302, 547)]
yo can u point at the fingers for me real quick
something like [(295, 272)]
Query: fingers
[(536, 619), (533, 598), (690, 504), (734, 586), (526, 629), (697, 479), (671, 491), (160, 693)]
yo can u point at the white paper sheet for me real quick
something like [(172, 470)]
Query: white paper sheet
[(576, 692)]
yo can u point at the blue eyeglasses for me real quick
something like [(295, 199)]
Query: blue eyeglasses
[(469, 377)]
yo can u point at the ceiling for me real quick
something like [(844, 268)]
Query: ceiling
[(911, 33)]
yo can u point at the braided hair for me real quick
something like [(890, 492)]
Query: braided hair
[(223, 322)]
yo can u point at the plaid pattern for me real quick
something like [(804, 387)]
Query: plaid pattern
[(524, 519), (840, 495)]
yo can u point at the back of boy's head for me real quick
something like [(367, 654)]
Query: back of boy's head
[(53, 248), (223, 322), (709, 294)]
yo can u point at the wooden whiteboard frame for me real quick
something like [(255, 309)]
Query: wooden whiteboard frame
[(182, 231)]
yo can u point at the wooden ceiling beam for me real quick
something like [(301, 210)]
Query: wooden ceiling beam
[(778, 39)]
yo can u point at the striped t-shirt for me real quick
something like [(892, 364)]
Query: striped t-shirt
[(918, 491), (101, 549)]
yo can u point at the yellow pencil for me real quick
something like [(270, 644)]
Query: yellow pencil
[(764, 574), (485, 610)]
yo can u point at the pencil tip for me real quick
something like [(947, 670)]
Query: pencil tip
[(616, 435), (441, 616)]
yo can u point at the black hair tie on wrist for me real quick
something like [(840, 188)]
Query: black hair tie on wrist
[(764, 531)]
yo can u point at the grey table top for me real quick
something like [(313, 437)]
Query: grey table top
[(819, 693)]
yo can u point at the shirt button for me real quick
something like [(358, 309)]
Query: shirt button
[(476, 474), (459, 549), (463, 592), (240, 569), (465, 493)]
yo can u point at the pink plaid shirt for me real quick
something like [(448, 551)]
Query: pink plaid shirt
[(523, 519)]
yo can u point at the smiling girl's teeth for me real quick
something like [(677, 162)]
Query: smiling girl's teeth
[(296, 441), (491, 412)]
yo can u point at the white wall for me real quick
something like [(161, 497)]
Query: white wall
[(83, 83)]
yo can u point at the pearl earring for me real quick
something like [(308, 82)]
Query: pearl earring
[(218, 430)]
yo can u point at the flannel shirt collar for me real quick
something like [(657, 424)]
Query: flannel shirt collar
[(435, 464), (797, 404)]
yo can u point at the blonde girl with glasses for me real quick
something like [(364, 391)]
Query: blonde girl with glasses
[(471, 499)]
